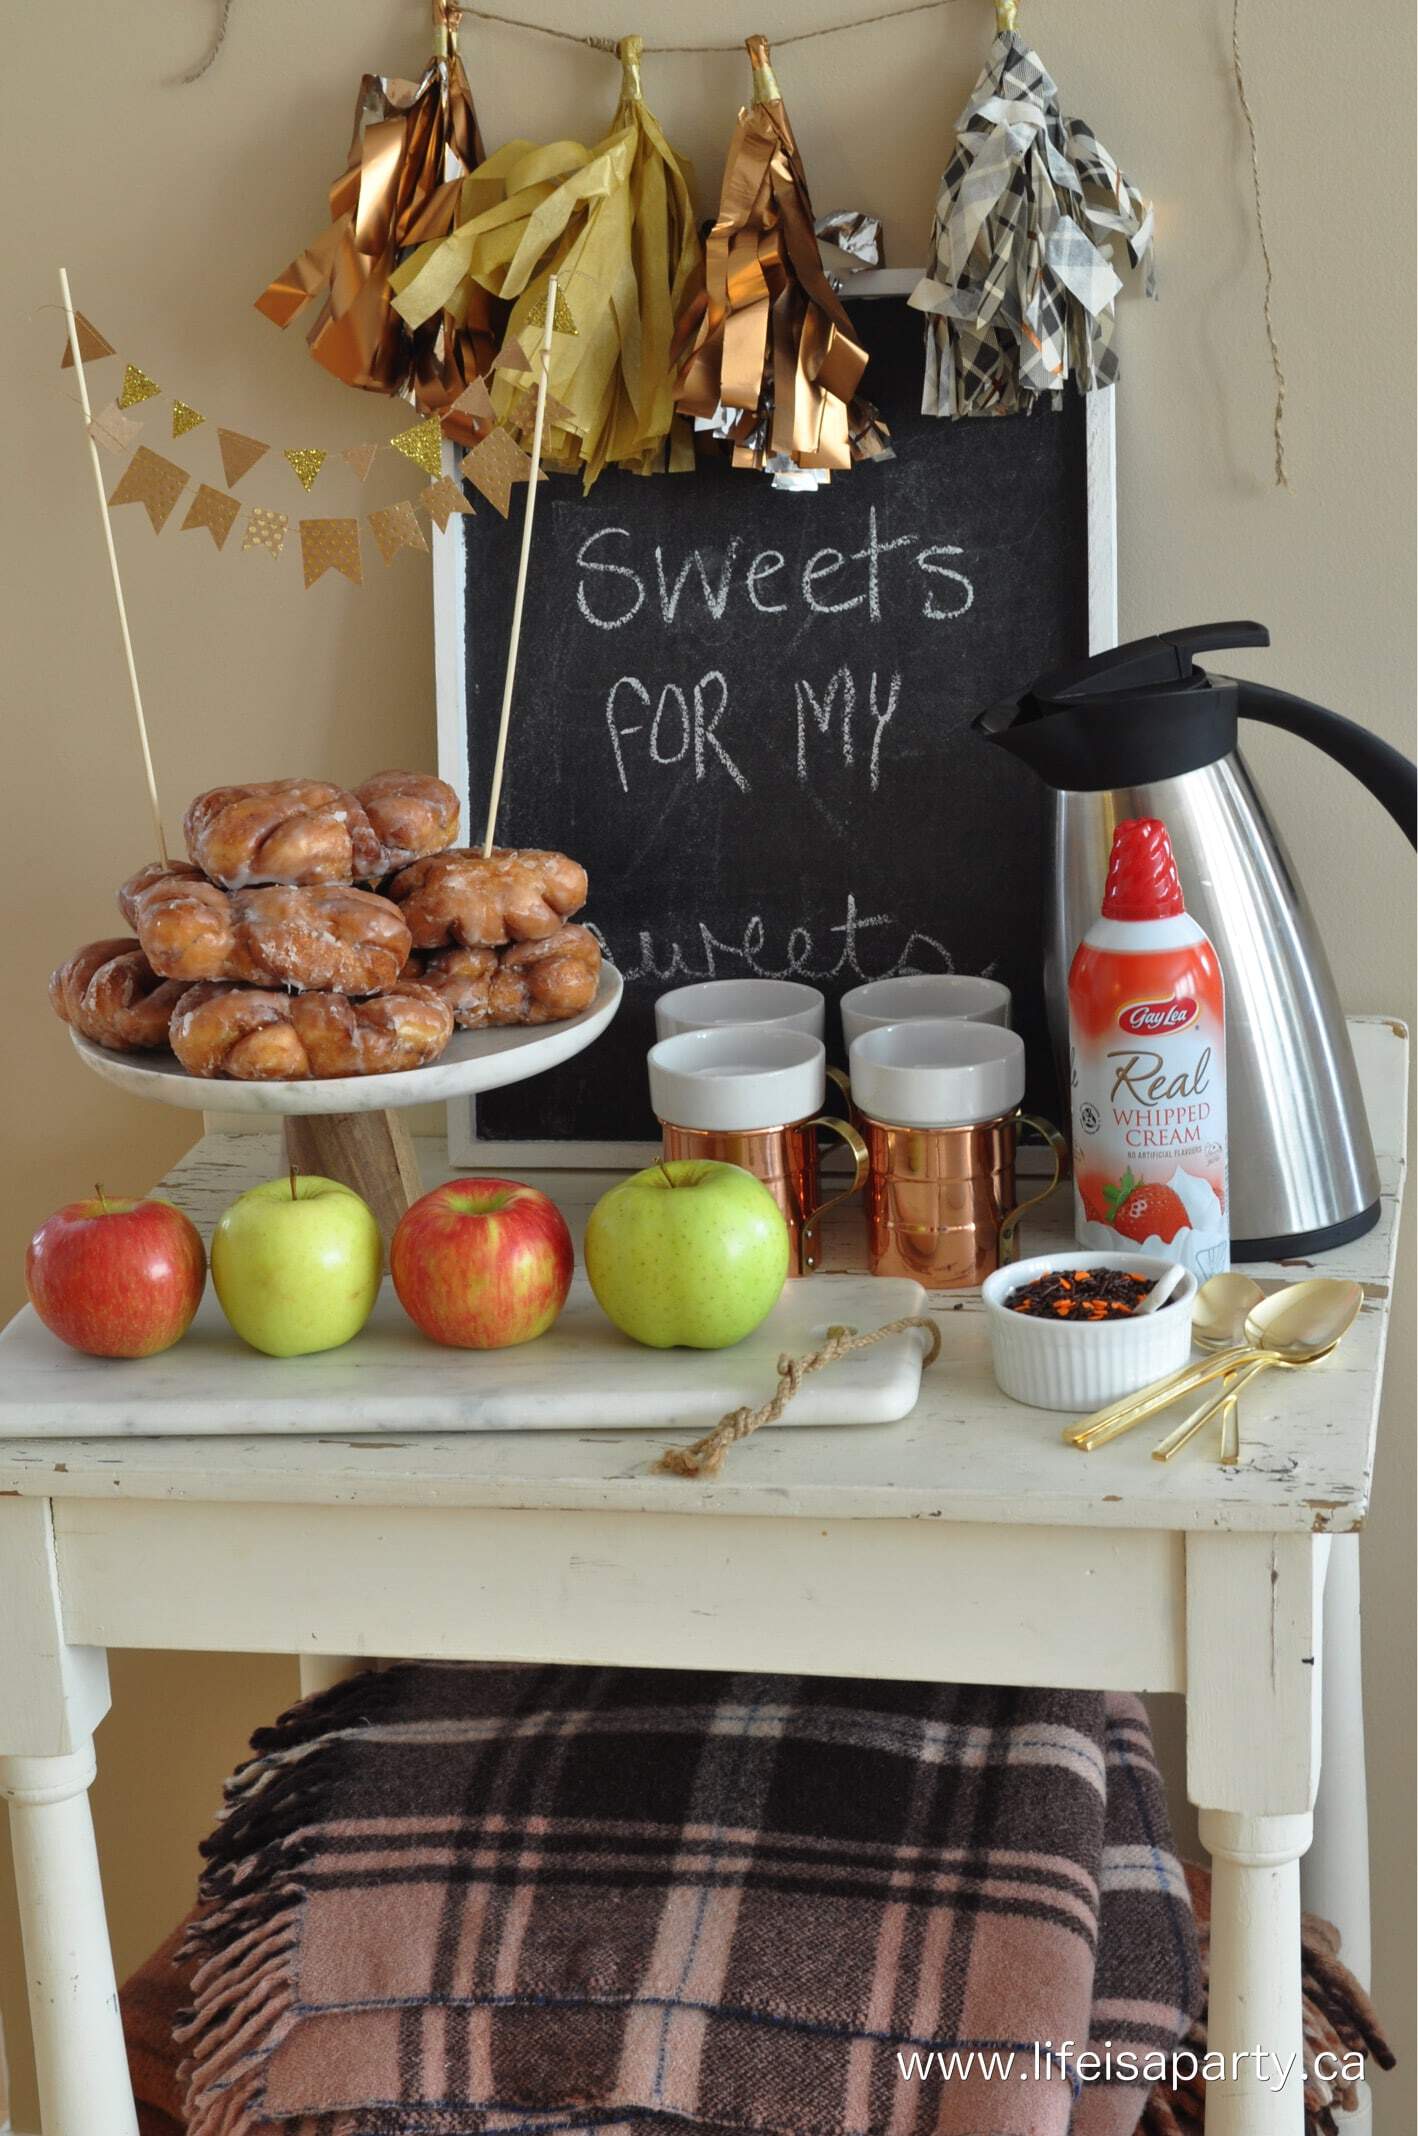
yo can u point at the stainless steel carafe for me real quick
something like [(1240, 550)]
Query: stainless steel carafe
[(1143, 731)]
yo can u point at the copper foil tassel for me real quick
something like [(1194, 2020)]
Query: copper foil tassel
[(413, 145), (772, 362)]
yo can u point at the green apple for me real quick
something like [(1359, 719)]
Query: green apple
[(296, 1264), (690, 1252)]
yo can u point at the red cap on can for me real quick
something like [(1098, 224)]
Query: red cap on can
[(1143, 883)]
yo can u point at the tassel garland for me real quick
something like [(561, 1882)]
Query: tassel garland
[(413, 144), (615, 225), (772, 365), (1020, 291)]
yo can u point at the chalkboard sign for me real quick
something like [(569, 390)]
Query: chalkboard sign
[(746, 712)]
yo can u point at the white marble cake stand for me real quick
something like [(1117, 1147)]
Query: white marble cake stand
[(345, 1127)]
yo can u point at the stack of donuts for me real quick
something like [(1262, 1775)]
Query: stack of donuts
[(316, 932)]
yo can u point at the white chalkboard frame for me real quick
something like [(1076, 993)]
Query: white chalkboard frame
[(465, 1151)]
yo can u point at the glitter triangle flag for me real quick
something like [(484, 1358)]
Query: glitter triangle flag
[(493, 466), (423, 444), (330, 545), (306, 462), (239, 454), (444, 500), (153, 482), (137, 386), (562, 321), (266, 530), (360, 458), (214, 510), (184, 419), (112, 429), (396, 528), (92, 345)]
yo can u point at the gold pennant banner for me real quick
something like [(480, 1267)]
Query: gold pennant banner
[(444, 500), (396, 528), (214, 510), (239, 454), (266, 530), (494, 465), (330, 545), (306, 462), (137, 386), (153, 482), (112, 429), (423, 445), (92, 345)]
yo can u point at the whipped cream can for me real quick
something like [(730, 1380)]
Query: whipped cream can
[(1147, 1043)]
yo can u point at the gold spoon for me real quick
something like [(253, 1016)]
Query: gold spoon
[(1218, 1323), (1295, 1326)]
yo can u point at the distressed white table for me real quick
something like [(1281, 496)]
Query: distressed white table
[(966, 1542)]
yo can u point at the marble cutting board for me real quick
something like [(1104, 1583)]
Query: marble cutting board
[(583, 1375)]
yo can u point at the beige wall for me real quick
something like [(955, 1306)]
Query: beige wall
[(171, 206)]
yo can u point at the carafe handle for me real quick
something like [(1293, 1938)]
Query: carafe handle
[(1385, 771), (1008, 1239)]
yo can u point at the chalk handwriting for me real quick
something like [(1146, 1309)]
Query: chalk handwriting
[(675, 728), (703, 585), (843, 955)]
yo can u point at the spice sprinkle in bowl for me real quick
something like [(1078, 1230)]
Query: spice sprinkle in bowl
[(1076, 1359)]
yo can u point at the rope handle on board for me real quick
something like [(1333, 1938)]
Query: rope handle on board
[(706, 1456)]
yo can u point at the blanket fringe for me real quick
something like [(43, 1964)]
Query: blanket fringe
[(252, 1893)]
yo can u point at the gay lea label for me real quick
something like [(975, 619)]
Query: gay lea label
[(1149, 1104)]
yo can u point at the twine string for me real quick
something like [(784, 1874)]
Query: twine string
[(1005, 11), (706, 1456), (1282, 477)]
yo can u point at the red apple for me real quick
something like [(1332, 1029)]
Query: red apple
[(116, 1278), (482, 1263)]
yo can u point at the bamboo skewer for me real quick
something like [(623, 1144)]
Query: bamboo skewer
[(533, 484), (137, 694)]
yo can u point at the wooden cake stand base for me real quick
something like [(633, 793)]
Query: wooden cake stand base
[(372, 1152)]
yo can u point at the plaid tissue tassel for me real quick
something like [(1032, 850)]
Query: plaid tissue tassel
[(1019, 294)]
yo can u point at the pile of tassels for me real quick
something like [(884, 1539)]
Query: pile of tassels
[(435, 269)]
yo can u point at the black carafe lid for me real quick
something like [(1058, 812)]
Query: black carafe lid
[(1135, 714)]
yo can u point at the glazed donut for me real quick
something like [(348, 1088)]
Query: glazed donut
[(257, 1036), (321, 935), (110, 993), (528, 983), (282, 831), (411, 813), (459, 898)]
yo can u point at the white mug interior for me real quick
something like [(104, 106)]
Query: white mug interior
[(784, 1004), (739, 1076), (953, 996), (937, 1072)]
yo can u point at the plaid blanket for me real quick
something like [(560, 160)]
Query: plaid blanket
[(449, 1899)]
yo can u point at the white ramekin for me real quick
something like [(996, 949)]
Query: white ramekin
[(738, 1076), (1080, 1365), (774, 1003), (956, 995)]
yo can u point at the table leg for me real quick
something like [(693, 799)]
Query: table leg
[(1334, 1877), (52, 1697), (1254, 1627), (320, 1672), (80, 2061)]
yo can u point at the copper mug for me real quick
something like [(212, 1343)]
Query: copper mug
[(939, 1106), (752, 1095)]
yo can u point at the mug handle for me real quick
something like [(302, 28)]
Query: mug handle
[(1008, 1240), (840, 1077), (848, 1134)]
